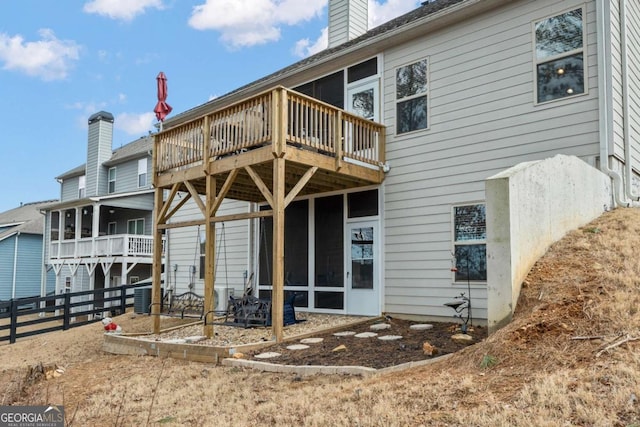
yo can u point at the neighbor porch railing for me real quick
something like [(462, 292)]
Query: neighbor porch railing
[(269, 118), (114, 245)]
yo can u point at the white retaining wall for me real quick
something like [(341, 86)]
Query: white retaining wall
[(530, 206)]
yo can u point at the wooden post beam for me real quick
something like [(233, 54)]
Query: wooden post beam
[(209, 260), (156, 275), (223, 191), (300, 185), (196, 197), (277, 293), (260, 184)]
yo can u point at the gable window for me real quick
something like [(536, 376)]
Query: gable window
[(135, 226), (142, 172), (559, 55), (112, 180), (81, 186), (469, 241), (411, 97)]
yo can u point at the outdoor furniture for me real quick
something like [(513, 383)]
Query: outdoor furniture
[(188, 303), (249, 311)]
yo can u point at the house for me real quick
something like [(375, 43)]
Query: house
[(99, 234), (356, 177), (21, 247)]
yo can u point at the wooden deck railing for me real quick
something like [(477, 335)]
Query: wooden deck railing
[(303, 121)]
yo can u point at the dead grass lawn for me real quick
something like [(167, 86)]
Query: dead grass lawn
[(534, 372)]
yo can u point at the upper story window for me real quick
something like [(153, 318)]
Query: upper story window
[(135, 226), (470, 243), (412, 92), (82, 186), (142, 172), (112, 181), (559, 55)]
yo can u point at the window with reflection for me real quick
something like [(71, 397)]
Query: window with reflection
[(411, 97), (559, 56), (469, 238)]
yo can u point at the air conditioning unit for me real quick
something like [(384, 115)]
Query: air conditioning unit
[(221, 296)]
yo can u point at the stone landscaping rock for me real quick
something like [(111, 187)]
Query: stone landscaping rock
[(341, 347), (238, 355), (195, 339), (366, 335), (297, 347), (267, 355), (344, 334), (428, 349), (421, 326), (462, 339), (390, 337), (379, 326)]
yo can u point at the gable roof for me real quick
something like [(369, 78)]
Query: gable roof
[(430, 15), (24, 219), (136, 149)]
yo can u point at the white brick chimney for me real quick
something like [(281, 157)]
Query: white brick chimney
[(348, 19)]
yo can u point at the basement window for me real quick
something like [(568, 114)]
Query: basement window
[(470, 243)]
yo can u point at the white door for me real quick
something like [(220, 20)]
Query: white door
[(363, 100), (362, 269)]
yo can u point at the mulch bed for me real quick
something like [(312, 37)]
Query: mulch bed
[(372, 352)]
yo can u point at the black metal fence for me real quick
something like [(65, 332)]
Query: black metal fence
[(68, 310)]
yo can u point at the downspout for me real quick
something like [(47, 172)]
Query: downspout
[(603, 17), (15, 266), (628, 159), (43, 272)]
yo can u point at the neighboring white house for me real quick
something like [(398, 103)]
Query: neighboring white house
[(99, 234), (464, 88)]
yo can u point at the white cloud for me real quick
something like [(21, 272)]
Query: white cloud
[(304, 47), (124, 10), (252, 22), (48, 58), (134, 124), (379, 12)]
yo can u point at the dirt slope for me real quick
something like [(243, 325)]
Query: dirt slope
[(570, 357)]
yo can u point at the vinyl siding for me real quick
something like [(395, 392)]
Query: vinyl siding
[(69, 189), (7, 251), (232, 252), (98, 151), (127, 176), (633, 45), (482, 119), (28, 266)]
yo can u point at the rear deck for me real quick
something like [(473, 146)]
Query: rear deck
[(269, 148)]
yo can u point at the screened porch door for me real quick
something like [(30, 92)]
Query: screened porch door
[(362, 269)]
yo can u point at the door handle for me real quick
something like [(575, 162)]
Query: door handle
[(347, 274)]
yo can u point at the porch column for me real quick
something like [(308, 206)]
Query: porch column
[(277, 293), (209, 257), (156, 276)]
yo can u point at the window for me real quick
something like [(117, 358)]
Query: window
[(112, 180), (81, 186), (142, 172), (559, 50), (112, 228), (135, 226), (411, 97), (469, 240)]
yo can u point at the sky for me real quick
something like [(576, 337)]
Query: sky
[(62, 61)]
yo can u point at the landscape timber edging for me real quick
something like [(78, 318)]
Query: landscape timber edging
[(118, 344)]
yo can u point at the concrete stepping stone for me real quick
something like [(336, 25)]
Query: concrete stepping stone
[(267, 355), (421, 326), (390, 337), (344, 334), (175, 341), (297, 347), (366, 335), (311, 340), (194, 339), (380, 326)]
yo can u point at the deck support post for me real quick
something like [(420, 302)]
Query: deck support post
[(277, 292), (156, 296), (209, 257)]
